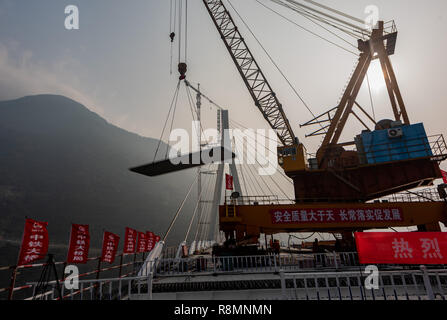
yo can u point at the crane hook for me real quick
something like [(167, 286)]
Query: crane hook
[(172, 36), (182, 68)]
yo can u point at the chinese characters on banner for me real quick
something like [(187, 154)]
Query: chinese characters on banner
[(229, 182), (109, 247), (444, 176), (79, 244), (425, 248), (150, 237), (130, 242), (142, 242), (34, 243), (303, 216)]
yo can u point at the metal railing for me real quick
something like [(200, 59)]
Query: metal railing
[(425, 195), (254, 264), (124, 265), (389, 27), (392, 285), (98, 289)]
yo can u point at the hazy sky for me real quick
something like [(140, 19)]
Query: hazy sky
[(118, 63)]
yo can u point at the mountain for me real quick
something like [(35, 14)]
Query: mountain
[(62, 163)]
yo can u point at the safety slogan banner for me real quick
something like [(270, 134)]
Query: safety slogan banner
[(130, 241), (34, 243), (352, 215), (408, 248), (109, 247), (79, 244), (142, 242)]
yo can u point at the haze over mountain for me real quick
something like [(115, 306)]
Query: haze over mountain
[(61, 163)]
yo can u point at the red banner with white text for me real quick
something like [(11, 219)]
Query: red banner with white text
[(130, 241), (229, 182), (408, 248), (34, 243), (109, 247), (326, 216), (79, 244), (142, 242), (150, 241)]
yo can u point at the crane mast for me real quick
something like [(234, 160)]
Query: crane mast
[(258, 86)]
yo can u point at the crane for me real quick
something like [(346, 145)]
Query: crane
[(293, 153), (333, 191)]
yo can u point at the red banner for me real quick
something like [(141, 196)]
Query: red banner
[(150, 241), (408, 248), (109, 247), (327, 216), (142, 242), (444, 176), (229, 182), (130, 242), (79, 244), (34, 243), (157, 239)]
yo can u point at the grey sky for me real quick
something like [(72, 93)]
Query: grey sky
[(117, 64)]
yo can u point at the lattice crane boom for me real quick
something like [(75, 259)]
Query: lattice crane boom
[(258, 86)]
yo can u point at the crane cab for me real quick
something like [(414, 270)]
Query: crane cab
[(293, 158)]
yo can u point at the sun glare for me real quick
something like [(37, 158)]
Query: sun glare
[(375, 75)]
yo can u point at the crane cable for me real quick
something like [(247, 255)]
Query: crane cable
[(195, 210), (334, 11), (264, 182), (202, 218), (311, 32), (273, 61), (314, 33), (371, 97), (172, 28), (310, 19), (174, 101), (277, 185), (239, 125), (180, 209), (321, 14)]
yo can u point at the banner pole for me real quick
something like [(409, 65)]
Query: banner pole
[(14, 273), (12, 283), (121, 265), (134, 261)]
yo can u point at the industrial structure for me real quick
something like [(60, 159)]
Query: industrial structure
[(369, 182), (392, 157)]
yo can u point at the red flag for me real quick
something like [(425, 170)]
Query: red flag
[(157, 239), (444, 176), (142, 242), (109, 247), (34, 243), (229, 182), (150, 241), (79, 244), (408, 248), (130, 242)]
